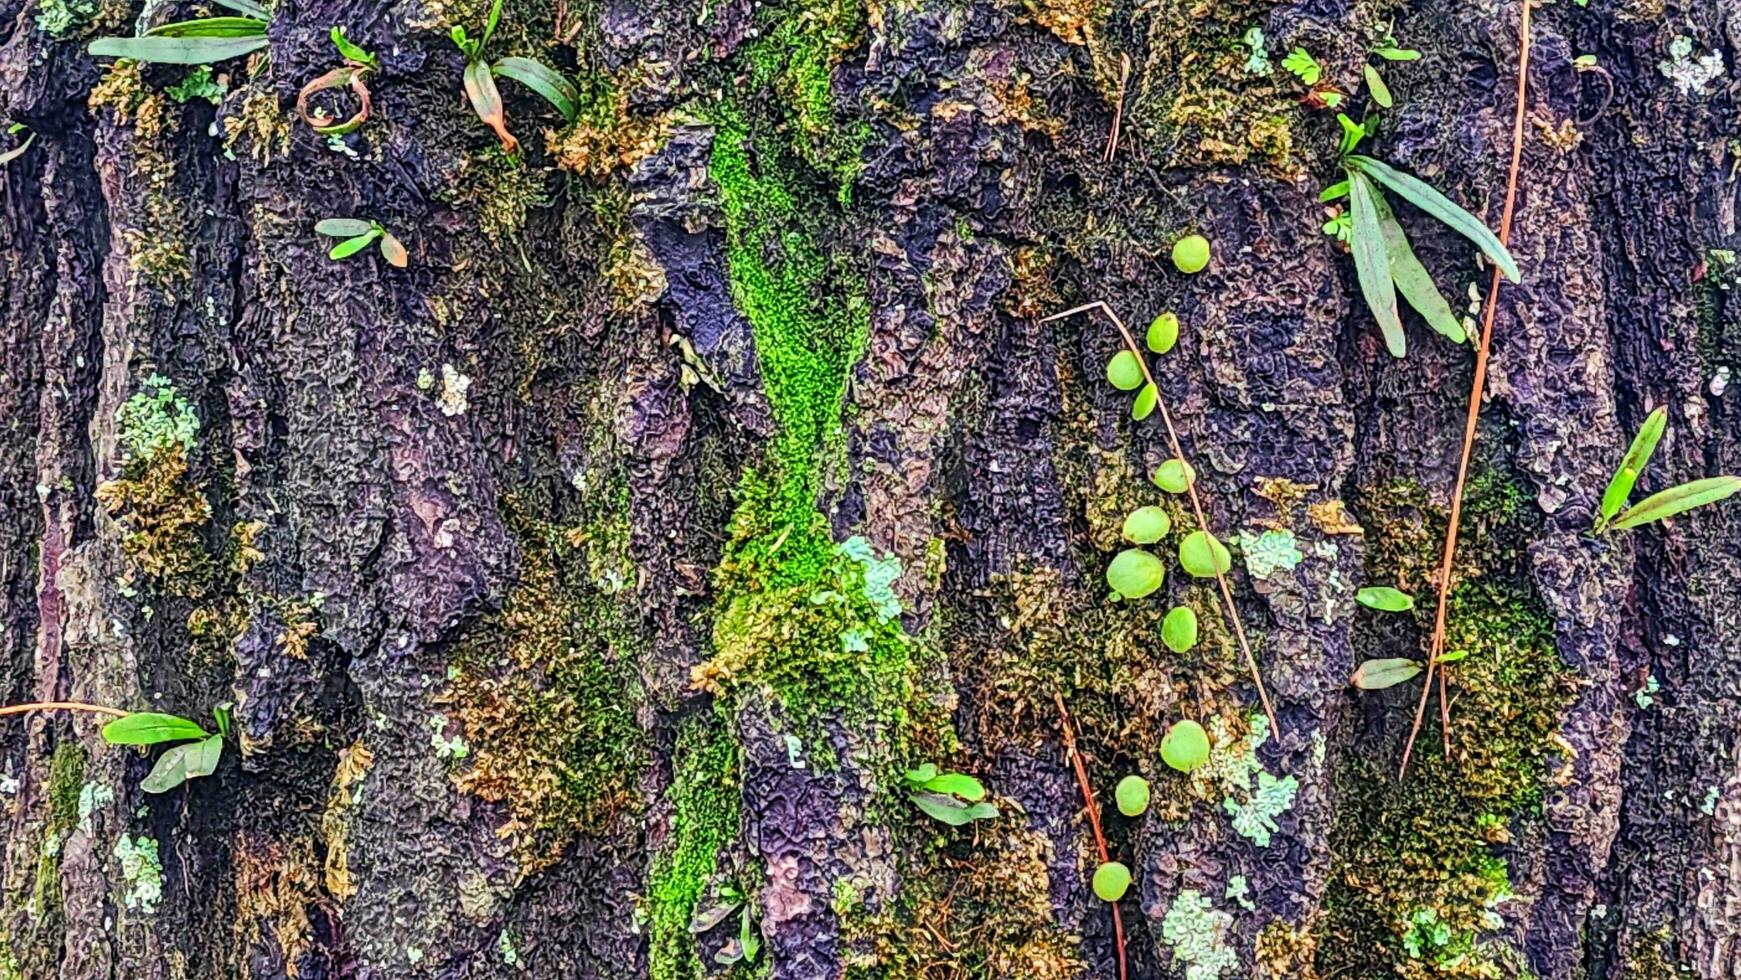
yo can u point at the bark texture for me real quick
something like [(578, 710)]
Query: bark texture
[(584, 589)]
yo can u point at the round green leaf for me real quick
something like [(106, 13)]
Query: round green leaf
[(1111, 881), (1203, 556), (1132, 795), (1135, 573), (1124, 372), (1179, 629), (1146, 525), (1185, 746), (1191, 254), (1175, 476), (1163, 333), (1144, 406)]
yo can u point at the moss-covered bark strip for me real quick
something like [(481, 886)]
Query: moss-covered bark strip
[(704, 820)]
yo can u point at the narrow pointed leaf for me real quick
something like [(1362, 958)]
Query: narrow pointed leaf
[(1376, 675), (1422, 195), (1372, 264), (150, 728), (17, 151), (351, 246), (1632, 464), (558, 91), (1375, 85), (957, 784), (1676, 500), (480, 88), (1334, 191), (343, 227), (211, 27), (177, 50), (1412, 279), (1385, 599)]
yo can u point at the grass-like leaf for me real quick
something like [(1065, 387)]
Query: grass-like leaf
[(17, 151), (546, 81), (150, 728), (1632, 464), (1422, 195), (1676, 500), (177, 50), (351, 246), (1412, 279), (1333, 192), (211, 27), (1375, 85), (1372, 264), (486, 100), (1376, 675), (343, 227)]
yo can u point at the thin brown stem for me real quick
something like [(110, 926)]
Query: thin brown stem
[(1118, 111), (19, 709), (1093, 818), (1191, 493), (1473, 416)]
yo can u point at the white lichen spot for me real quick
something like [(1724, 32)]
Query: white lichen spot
[(413, 955), (453, 391), (1270, 552), (425, 379), (510, 954), (8, 785), (1708, 806), (1645, 696), (142, 872), (92, 797), (1239, 892), (1194, 929), (1692, 76)]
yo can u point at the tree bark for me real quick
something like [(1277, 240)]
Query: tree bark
[(585, 590)]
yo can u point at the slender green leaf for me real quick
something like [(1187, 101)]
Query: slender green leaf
[(247, 8), (177, 50), (486, 100), (558, 91), (1352, 134), (150, 728), (1144, 404), (351, 246), (1375, 85), (1376, 675), (1385, 599), (490, 23), (1412, 278), (350, 50), (956, 784), (1372, 264), (211, 27), (183, 762), (1632, 464), (1676, 500), (343, 227), (1422, 195), (1398, 54), (922, 775), (748, 941), (17, 151), (1333, 192)]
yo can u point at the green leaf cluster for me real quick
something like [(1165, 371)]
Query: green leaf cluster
[(199, 41), (949, 797), (1657, 506), (196, 752)]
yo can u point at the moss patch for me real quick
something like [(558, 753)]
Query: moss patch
[(704, 820)]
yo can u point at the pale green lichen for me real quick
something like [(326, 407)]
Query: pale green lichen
[(1239, 892), (1254, 819), (60, 18), (1194, 930), (92, 797), (452, 749), (1692, 76), (510, 953), (156, 419), (880, 575), (1270, 552), (142, 871), (1252, 796)]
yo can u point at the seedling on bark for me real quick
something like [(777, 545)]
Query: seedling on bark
[(1384, 262), (358, 63), (1385, 599), (1387, 50), (195, 752), (1657, 506), (951, 797), (17, 151), (357, 235), (480, 81), (200, 41)]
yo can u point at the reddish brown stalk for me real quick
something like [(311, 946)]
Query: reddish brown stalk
[(1437, 647), (1118, 111), (1191, 492), (1093, 818), (18, 709)]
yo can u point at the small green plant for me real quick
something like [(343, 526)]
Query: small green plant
[(1179, 629), (17, 151), (1384, 262), (1111, 881), (357, 63), (1203, 555), (195, 752), (1132, 795), (1387, 50), (357, 235), (949, 797), (1185, 746), (480, 80), (1303, 66), (1163, 333), (1376, 675), (1134, 573), (1191, 254), (1657, 506), (1385, 599), (1174, 476), (200, 41), (1146, 525)]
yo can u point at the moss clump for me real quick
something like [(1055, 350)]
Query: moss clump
[(157, 241), (1421, 863), (502, 190), (606, 135), (800, 46), (979, 906), (166, 518), (704, 820), (547, 692)]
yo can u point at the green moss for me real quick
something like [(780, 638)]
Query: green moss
[(65, 18), (1420, 863), (66, 775), (800, 46), (704, 820)]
